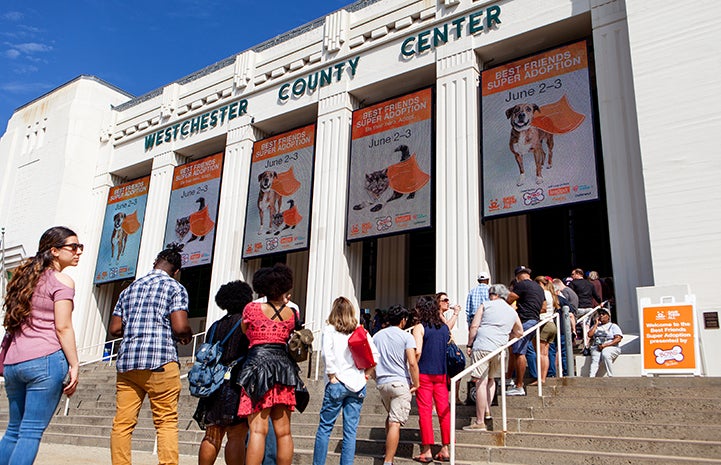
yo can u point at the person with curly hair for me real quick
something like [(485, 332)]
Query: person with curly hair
[(432, 336), (345, 386), (270, 381), (41, 362), (151, 315), (217, 414)]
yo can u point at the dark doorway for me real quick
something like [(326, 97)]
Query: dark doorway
[(564, 238)]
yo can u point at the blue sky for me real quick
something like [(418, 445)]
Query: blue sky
[(135, 45)]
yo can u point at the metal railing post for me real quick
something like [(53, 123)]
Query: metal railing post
[(568, 332), (504, 362), (538, 361)]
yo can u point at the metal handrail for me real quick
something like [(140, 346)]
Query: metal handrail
[(114, 355), (587, 317), (502, 351)]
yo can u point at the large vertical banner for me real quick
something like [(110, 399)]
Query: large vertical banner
[(194, 208), (277, 218), (122, 228), (538, 147), (389, 182)]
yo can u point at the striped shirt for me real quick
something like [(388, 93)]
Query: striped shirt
[(145, 309)]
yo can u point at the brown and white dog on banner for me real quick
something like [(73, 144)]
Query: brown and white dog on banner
[(526, 138), (268, 200), (119, 237)]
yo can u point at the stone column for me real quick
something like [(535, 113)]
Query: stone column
[(156, 210), (88, 318), (227, 261), (460, 254), (625, 196), (333, 266)]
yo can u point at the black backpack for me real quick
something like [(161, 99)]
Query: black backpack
[(207, 373)]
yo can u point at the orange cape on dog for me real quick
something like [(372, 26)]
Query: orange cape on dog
[(286, 184), (558, 118), (200, 222), (406, 176), (131, 224)]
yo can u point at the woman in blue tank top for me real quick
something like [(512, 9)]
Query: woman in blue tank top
[(432, 336)]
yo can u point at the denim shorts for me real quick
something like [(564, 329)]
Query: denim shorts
[(521, 346)]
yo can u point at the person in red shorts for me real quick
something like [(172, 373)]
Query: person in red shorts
[(270, 381)]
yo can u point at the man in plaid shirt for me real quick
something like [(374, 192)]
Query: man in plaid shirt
[(151, 315), (476, 297)]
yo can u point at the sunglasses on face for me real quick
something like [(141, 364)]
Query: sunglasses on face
[(446, 299), (73, 246)]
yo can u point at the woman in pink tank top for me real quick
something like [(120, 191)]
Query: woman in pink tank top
[(41, 362)]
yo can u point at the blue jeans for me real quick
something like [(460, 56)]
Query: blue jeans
[(338, 397), (33, 388)]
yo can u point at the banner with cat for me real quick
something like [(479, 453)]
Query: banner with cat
[(193, 210), (389, 186), (277, 219), (538, 145), (122, 228)]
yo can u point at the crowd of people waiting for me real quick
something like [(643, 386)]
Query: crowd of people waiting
[(263, 386)]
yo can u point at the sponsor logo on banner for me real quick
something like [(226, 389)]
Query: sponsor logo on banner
[(390, 187), (537, 137), (277, 218), (192, 215), (122, 229)]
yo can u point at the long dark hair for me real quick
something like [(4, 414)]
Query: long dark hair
[(427, 312), (18, 301)]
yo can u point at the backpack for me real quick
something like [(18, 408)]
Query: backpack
[(207, 373)]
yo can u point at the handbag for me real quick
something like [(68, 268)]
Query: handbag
[(455, 360), (3, 351), (300, 342), (360, 349)]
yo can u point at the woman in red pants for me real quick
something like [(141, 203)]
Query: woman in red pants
[(432, 336)]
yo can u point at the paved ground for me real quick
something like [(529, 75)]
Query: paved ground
[(60, 454)]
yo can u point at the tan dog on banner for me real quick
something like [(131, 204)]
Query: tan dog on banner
[(526, 138), (268, 200)]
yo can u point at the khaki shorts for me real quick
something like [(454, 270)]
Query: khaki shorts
[(548, 332), (490, 368), (396, 398)]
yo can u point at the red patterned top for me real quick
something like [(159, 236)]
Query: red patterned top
[(263, 330)]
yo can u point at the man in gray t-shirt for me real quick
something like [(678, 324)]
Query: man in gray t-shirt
[(396, 374)]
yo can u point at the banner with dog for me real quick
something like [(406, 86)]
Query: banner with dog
[(122, 228), (538, 145), (193, 209), (389, 182), (277, 219)]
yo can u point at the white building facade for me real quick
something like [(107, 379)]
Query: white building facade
[(652, 69)]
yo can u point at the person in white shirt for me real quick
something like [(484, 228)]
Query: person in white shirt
[(345, 386), (605, 337)]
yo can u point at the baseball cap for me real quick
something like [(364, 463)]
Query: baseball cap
[(483, 275), (522, 269)]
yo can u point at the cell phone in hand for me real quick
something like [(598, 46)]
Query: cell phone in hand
[(66, 380)]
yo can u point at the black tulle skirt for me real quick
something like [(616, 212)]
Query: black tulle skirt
[(268, 365)]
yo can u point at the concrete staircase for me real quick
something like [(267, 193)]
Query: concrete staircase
[(577, 421)]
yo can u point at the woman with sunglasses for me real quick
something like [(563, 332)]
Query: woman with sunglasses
[(449, 315), (41, 362)]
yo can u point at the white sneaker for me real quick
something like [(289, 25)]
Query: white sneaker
[(510, 383), (516, 391)]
